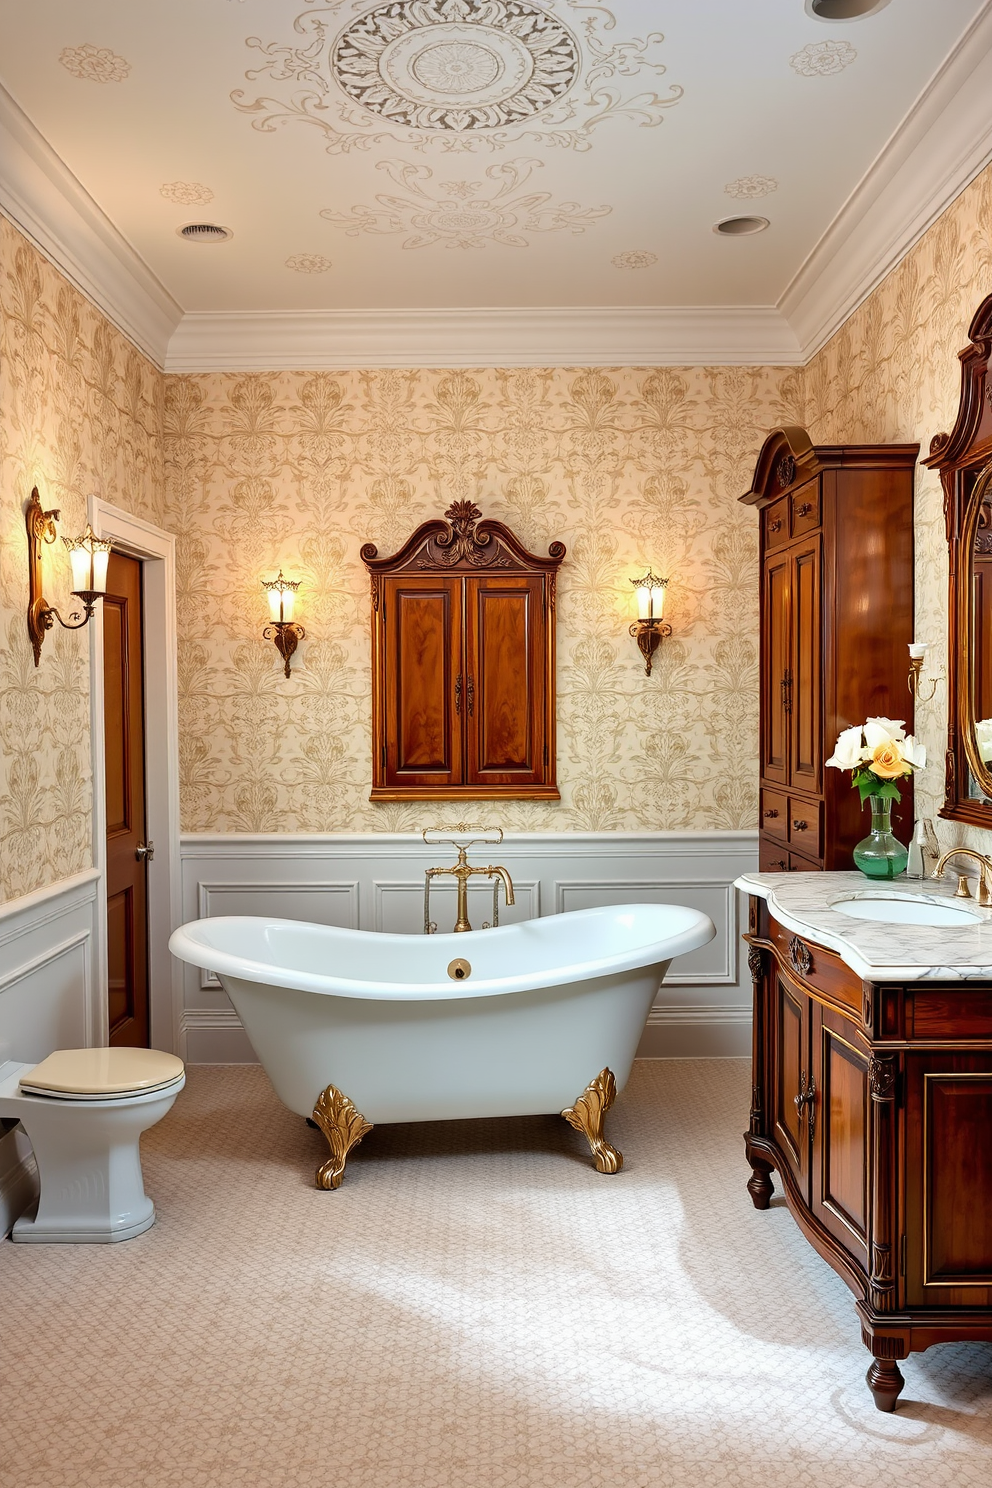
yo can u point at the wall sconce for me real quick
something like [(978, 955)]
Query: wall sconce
[(917, 661), (283, 629), (88, 558), (649, 629)]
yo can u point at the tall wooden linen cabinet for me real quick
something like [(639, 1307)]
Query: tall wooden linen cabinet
[(836, 620)]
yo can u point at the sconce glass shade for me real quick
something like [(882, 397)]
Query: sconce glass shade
[(650, 596), (918, 650), (89, 556), (282, 597)]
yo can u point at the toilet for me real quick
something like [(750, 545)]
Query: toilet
[(84, 1111)]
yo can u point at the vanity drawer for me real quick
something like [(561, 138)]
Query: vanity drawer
[(777, 524), (821, 970), (804, 826), (773, 857), (805, 508), (954, 1014), (775, 815)]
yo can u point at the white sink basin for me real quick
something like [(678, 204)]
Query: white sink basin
[(898, 909)]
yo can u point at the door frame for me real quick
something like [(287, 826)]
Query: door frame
[(156, 549)]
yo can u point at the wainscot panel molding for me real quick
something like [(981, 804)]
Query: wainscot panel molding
[(376, 882), (49, 999)]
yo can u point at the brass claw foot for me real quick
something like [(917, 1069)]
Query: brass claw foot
[(587, 1117), (344, 1126)]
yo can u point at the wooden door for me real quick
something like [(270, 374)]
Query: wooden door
[(427, 698), (127, 871), (806, 691), (775, 670), (841, 1133), (948, 1180), (791, 1075), (505, 634)]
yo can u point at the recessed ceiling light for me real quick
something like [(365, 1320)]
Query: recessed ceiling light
[(204, 232), (844, 10), (740, 227)]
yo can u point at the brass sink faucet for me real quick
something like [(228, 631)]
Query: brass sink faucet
[(463, 872), (984, 874)]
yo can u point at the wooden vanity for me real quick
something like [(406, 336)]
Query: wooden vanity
[(872, 1100)]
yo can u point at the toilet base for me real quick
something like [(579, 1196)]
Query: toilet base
[(91, 1190)]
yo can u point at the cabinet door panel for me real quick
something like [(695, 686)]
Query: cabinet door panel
[(806, 691), (948, 1181), (775, 667), (424, 702), (505, 699), (792, 1071), (840, 1180)]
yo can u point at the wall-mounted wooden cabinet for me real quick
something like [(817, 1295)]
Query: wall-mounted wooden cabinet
[(463, 664), (836, 619)]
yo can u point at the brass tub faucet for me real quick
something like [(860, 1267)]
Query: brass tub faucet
[(462, 871)]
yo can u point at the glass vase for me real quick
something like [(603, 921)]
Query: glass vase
[(880, 855)]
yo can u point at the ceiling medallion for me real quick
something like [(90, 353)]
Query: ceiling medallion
[(822, 58), (187, 193), (465, 74), (95, 64), (747, 187), (309, 263), (635, 258), (464, 214), (471, 64)]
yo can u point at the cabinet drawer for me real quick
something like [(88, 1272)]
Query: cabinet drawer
[(775, 815), (777, 524), (804, 826), (773, 857), (805, 505), (820, 969), (964, 1014)]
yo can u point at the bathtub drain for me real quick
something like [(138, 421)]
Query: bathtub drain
[(459, 970)]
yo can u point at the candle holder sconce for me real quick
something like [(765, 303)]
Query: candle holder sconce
[(650, 628), (89, 556), (917, 661), (283, 629)]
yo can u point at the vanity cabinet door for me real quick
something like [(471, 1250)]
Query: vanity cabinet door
[(949, 1180), (840, 1131), (505, 702), (791, 1077), (425, 704)]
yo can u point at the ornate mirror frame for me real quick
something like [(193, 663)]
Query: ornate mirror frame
[(964, 461)]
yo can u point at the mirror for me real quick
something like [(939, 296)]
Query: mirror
[(964, 460)]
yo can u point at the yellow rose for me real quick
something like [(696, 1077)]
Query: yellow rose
[(886, 761)]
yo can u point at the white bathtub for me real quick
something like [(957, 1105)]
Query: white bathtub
[(548, 1004)]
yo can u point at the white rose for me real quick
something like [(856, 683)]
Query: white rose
[(848, 751), (884, 731), (914, 754)]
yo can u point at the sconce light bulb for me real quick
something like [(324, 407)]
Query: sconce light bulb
[(89, 556), (282, 597), (650, 596)]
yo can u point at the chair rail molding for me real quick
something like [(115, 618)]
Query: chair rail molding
[(376, 882)]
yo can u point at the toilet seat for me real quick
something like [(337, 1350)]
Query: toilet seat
[(102, 1074)]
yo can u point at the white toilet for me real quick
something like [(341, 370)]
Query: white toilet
[(84, 1111)]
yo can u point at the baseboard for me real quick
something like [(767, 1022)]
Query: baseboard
[(18, 1177), (697, 1033)]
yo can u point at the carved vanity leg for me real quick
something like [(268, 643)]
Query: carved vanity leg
[(759, 1185), (344, 1126), (885, 1382), (587, 1117)]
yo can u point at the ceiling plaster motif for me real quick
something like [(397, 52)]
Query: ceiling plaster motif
[(635, 258), (468, 74), (187, 193), (464, 214), (94, 64), (309, 263), (821, 58), (746, 188)]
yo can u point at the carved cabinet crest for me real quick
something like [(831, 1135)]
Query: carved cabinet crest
[(463, 663)]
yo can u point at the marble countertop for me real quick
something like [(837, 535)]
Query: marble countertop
[(874, 950)]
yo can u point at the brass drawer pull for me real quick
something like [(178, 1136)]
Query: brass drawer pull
[(800, 826), (771, 811), (805, 509), (775, 526)]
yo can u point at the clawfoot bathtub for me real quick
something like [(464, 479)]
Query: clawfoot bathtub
[(355, 1028)]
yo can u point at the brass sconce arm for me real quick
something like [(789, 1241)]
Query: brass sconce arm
[(917, 661), (649, 635), (41, 615), (287, 635), (650, 629)]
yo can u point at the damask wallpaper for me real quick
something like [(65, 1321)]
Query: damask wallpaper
[(627, 467), (80, 413), (892, 374)]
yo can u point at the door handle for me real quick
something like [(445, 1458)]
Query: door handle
[(471, 696), (144, 852), (806, 1100), (458, 693), (787, 692)]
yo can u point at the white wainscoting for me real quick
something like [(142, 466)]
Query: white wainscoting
[(49, 999), (376, 882)]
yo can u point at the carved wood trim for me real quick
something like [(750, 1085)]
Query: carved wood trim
[(463, 541)]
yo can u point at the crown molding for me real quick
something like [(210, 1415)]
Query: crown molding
[(45, 201), (936, 151), (575, 336)]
